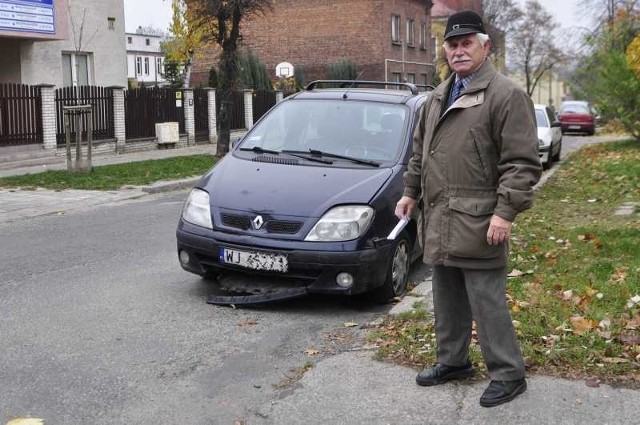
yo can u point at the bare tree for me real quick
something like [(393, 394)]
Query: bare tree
[(532, 47), (500, 18), (222, 20)]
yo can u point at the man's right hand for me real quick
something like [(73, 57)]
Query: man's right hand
[(405, 207)]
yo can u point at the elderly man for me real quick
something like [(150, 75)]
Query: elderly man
[(475, 162)]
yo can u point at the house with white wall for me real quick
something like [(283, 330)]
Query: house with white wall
[(145, 60), (63, 42)]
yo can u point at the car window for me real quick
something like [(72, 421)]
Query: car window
[(575, 109), (367, 130), (541, 118)]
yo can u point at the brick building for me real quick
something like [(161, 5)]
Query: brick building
[(388, 40)]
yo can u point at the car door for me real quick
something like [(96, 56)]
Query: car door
[(556, 130)]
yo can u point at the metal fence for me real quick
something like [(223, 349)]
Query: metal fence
[(20, 115), (144, 107), (101, 100)]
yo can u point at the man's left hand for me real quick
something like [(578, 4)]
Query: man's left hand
[(499, 230)]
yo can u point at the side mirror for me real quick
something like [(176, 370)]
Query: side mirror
[(235, 142), (555, 124)]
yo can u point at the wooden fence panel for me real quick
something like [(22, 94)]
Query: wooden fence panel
[(263, 100), (237, 109), (20, 114), (144, 107), (201, 114), (101, 100)]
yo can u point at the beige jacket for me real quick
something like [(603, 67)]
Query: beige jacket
[(478, 158)]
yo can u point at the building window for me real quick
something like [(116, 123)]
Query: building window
[(395, 29), (146, 66), (138, 66), (423, 36), (111, 22), (434, 47), (423, 79), (396, 77), (148, 42), (411, 78), (129, 40), (410, 40), (159, 70), (75, 69)]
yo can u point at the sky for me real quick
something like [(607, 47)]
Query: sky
[(157, 13)]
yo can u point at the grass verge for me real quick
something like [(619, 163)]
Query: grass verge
[(111, 177), (574, 287)]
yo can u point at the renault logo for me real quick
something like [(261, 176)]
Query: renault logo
[(257, 222)]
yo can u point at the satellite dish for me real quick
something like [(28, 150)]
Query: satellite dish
[(284, 70)]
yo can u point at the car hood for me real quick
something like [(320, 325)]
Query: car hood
[(297, 190), (545, 134)]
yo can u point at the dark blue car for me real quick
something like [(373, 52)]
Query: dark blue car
[(304, 202)]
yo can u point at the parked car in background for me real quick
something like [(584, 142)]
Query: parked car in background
[(304, 202), (549, 136), (577, 116)]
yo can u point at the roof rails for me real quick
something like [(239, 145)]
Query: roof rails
[(355, 83)]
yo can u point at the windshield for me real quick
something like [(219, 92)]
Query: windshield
[(364, 130), (541, 118)]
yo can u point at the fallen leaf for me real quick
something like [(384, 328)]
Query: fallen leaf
[(311, 352), (593, 382), (515, 273), (26, 421), (615, 360), (350, 324), (581, 324), (248, 323)]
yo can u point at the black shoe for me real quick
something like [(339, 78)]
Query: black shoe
[(440, 373), (499, 392)]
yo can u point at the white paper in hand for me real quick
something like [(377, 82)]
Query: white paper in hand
[(396, 230)]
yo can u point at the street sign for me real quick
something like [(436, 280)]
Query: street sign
[(27, 16)]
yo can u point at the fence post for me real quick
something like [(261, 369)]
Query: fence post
[(213, 120), (48, 99), (189, 116), (248, 108), (119, 126), (279, 96)]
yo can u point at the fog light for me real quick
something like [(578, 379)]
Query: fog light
[(344, 280), (184, 257)]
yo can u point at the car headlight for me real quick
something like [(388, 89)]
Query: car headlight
[(196, 210), (341, 224)]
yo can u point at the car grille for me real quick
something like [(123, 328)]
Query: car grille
[(272, 226)]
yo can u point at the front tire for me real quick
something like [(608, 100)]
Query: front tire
[(395, 283)]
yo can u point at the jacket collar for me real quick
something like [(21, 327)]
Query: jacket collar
[(483, 77)]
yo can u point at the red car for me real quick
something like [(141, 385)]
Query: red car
[(577, 116)]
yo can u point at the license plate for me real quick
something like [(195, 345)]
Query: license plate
[(254, 260), (574, 127)]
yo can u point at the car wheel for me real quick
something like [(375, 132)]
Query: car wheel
[(591, 132), (395, 283), (556, 157)]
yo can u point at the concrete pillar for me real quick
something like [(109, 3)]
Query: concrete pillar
[(279, 96), (248, 108), (120, 130), (189, 116), (48, 96), (213, 119)]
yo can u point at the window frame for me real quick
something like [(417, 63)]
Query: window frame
[(410, 33), (395, 29)]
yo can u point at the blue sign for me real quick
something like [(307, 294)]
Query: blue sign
[(28, 16)]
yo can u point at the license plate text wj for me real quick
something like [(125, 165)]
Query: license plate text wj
[(254, 260)]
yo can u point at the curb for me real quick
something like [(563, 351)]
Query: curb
[(169, 186)]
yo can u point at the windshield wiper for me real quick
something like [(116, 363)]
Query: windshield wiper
[(306, 155), (347, 158), (258, 149)]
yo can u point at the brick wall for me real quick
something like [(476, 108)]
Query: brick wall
[(312, 34)]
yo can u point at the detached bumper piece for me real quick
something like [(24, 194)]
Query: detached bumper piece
[(239, 289)]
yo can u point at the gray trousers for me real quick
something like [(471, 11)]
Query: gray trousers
[(463, 295)]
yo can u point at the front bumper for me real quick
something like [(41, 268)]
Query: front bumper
[(314, 269)]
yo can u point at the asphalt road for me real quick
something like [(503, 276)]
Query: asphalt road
[(100, 325)]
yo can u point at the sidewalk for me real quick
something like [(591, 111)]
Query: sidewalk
[(16, 204), (352, 387)]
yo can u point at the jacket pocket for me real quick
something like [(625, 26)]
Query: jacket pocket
[(469, 224)]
